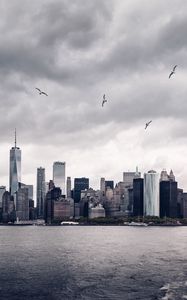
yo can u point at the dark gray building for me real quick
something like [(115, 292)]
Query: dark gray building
[(138, 193), (22, 204), (8, 208), (40, 192), (168, 199), (52, 195), (80, 184), (109, 183)]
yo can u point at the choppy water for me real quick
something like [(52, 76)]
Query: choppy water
[(93, 263)]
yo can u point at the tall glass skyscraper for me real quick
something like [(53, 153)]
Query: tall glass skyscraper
[(40, 192), (15, 168), (151, 194), (59, 175)]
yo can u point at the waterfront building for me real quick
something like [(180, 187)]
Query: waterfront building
[(102, 187), (22, 204), (128, 177), (138, 196), (87, 197), (68, 187), (8, 208), (109, 183), (59, 175), (151, 194), (2, 190), (40, 192), (30, 189), (164, 175), (184, 206), (63, 209), (51, 185), (80, 184), (168, 196), (180, 203), (15, 168), (52, 195), (97, 212)]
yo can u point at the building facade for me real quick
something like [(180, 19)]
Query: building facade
[(138, 196), (40, 192), (68, 187), (80, 184), (15, 169), (168, 199), (59, 175), (151, 194), (22, 204)]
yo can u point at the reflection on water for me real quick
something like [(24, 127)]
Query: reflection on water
[(93, 262)]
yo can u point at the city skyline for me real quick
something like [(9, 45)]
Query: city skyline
[(77, 53), (126, 176)]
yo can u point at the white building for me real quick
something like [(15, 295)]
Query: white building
[(59, 175), (97, 212), (151, 194)]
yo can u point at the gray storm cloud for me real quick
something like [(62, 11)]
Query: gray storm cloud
[(78, 50)]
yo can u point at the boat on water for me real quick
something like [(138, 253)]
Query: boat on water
[(69, 223), (142, 224)]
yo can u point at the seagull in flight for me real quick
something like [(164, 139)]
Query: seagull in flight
[(147, 124), (104, 100), (173, 71), (40, 92)]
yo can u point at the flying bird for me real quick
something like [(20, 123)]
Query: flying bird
[(104, 100), (173, 71), (40, 92), (147, 124)]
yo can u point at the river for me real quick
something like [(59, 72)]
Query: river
[(93, 262)]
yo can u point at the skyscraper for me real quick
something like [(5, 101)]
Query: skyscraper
[(129, 176), (151, 194), (68, 187), (59, 175), (80, 184), (168, 196), (138, 197), (102, 186), (22, 204), (15, 168), (40, 192)]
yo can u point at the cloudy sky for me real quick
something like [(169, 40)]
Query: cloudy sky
[(76, 51)]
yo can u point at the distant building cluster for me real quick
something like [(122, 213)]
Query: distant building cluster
[(151, 195)]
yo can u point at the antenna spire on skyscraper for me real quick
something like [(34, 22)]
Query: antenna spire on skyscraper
[(15, 137)]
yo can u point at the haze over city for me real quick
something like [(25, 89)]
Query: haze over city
[(76, 52)]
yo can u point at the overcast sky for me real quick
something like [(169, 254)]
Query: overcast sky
[(76, 51)]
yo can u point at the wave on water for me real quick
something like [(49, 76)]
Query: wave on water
[(174, 290)]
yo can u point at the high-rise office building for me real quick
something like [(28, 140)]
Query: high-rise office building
[(102, 186), (68, 187), (51, 196), (15, 168), (22, 204), (151, 194), (40, 192), (138, 197), (168, 199), (109, 183), (80, 184), (2, 190), (129, 176), (30, 189), (59, 175)]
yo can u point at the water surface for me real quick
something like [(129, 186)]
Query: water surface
[(93, 262)]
